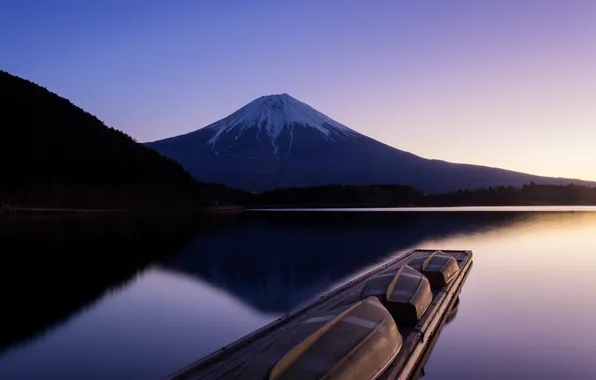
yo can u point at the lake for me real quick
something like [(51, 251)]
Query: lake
[(133, 299)]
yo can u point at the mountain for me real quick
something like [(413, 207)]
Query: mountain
[(277, 141), (54, 154)]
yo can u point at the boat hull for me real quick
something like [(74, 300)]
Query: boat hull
[(358, 343), (406, 294), (440, 269)]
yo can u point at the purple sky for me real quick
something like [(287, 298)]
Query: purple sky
[(510, 84)]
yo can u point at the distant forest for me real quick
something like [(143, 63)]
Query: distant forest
[(404, 196), (54, 154)]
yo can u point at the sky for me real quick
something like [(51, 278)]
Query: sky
[(505, 83)]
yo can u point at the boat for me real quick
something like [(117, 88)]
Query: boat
[(353, 332), (439, 268), (355, 342), (406, 293)]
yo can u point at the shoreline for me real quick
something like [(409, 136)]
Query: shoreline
[(512, 208), (11, 213)]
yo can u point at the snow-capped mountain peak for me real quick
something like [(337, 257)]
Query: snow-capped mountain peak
[(273, 114), (277, 141)]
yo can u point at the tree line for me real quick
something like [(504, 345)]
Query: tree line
[(404, 196)]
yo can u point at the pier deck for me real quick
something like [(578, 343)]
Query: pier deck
[(227, 361)]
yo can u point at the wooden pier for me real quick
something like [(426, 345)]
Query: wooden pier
[(418, 339)]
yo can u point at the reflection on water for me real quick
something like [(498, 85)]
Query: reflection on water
[(529, 306), (51, 270), (281, 261), (138, 300), (420, 372)]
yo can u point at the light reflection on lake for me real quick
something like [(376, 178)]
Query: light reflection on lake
[(526, 310)]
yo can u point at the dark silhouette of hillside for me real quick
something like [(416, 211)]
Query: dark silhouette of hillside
[(54, 154)]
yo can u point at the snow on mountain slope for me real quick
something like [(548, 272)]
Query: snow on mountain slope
[(273, 114), (278, 141)]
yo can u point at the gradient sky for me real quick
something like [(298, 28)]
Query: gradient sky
[(507, 83)]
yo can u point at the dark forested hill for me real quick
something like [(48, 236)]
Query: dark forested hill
[(54, 154)]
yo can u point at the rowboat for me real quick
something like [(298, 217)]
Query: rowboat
[(406, 293)]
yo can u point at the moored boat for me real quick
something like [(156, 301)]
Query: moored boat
[(356, 343), (406, 293), (440, 269)]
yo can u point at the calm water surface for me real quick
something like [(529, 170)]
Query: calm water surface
[(139, 308)]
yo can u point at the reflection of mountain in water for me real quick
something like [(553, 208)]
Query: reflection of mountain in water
[(53, 269), (279, 261)]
